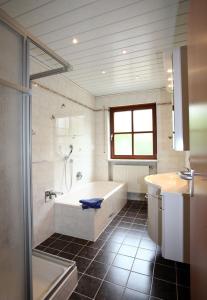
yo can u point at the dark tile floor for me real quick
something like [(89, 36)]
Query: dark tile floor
[(123, 263)]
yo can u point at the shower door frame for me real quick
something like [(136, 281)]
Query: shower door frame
[(27, 169)]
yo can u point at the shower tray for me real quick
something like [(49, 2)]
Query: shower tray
[(54, 278)]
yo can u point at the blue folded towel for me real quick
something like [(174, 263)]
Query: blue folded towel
[(91, 203)]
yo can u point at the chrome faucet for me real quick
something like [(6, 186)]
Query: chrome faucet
[(50, 194), (185, 174)]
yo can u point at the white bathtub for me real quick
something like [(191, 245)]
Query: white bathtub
[(88, 224)]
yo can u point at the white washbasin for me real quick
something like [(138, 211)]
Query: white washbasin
[(168, 182)]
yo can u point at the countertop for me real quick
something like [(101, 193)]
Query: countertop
[(168, 183)]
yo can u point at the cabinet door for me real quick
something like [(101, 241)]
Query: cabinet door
[(154, 218), (173, 226)]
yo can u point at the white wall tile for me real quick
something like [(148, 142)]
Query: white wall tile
[(47, 141)]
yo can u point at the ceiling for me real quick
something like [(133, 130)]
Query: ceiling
[(120, 42)]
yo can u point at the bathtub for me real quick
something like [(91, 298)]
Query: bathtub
[(88, 224)]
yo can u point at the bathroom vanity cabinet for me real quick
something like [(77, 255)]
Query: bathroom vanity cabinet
[(168, 215)]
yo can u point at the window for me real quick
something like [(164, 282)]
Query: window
[(133, 132)]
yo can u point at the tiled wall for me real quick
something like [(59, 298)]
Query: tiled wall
[(168, 159), (50, 142)]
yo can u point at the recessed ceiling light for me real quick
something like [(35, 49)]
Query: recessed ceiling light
[(35, 84), (170, 86), (169, 79), (124, 51), (169, 71), (137, 77), (103, 72), (75, 41)]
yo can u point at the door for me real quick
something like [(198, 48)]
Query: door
[(197, 58), (15, 218)]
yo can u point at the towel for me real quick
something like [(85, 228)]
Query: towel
[(91, 203)]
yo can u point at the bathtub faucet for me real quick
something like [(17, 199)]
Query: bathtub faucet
[(50, 194)]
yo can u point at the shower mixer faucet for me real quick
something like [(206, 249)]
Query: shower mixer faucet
[(49, 195)]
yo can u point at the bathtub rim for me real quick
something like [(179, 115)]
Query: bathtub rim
[(78, 205)]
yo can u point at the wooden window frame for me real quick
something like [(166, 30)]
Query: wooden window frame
[(154, 130)]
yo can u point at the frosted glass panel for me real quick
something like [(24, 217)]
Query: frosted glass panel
[(122, 121), (143, 144), (11, 60), (12, 211), (143, 120), (12, 276), (123, 144)]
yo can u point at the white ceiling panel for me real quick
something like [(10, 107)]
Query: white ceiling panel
[(23, 6), (149, 47), (118, 71), (53, 10), (109, 24), (156, 40), (127, 81), (99, 7), (88, 41), (147, 41), (119, 39), (101, 90), (104, 28)]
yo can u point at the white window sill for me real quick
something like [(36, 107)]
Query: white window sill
[(133, 161)]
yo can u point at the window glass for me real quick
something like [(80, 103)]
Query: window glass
[(123, 121), (142, 120), (143, 144), (123, 144)]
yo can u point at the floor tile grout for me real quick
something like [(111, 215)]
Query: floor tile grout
[(109, 265), (128, 226)]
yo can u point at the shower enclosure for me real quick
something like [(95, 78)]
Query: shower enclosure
[(15, 159), (15, 212)]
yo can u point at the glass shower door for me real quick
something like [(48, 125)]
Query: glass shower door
[(15, 214)]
